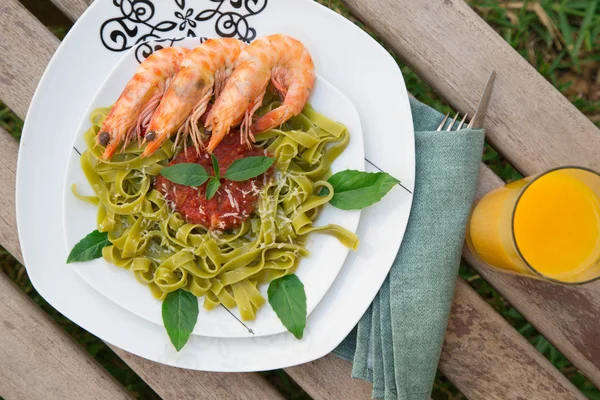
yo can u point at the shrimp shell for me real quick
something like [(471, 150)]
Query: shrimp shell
[(278, 58), (142, 94), (203, 71)]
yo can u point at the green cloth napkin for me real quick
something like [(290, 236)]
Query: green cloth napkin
[(397, 343)]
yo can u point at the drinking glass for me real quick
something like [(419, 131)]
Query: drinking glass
[(545, 226)]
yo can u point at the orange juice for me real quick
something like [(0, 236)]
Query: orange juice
[(547, 224), (557, 225)]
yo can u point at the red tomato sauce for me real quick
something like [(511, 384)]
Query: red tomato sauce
[(233, 203)]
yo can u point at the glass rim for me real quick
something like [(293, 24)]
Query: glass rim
[(512, 224)]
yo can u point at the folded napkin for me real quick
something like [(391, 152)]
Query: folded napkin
[(397, 343)]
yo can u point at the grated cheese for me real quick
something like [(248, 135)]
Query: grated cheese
[(232, 201), (254, 187), (232, 214), (243, 192)]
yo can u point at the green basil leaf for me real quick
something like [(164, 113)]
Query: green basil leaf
[(188, 174), (288, 299), (180, 314), (215, 164), (247, 168), (212, 187), (353, 190), (89, 248)]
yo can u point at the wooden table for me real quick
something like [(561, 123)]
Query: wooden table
[(453, 50)]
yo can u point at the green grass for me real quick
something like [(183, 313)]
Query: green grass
[(560, 39), (10, 122)]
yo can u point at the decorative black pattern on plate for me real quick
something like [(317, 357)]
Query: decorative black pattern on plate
[(137, 22), (234, 23)]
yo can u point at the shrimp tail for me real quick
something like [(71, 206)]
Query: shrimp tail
[(272, 119)]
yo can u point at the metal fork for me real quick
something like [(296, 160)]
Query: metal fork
[(477, 121), (449, 129)]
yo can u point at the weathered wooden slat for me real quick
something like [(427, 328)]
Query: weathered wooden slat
[(28, 46), (529, 121), (454, 51), (311, 376), (329, 378), (177, 383), (505, 367), (37, 359)]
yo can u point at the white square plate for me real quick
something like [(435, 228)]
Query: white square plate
[(344, 55)]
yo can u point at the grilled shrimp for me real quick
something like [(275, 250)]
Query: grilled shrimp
[(282, 60), (203, 71), (139, 99)]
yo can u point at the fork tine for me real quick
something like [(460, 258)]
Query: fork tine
[(439, 128), (462, 122), (452, 123)]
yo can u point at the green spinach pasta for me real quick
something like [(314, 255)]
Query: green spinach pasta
[(164, 251)]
